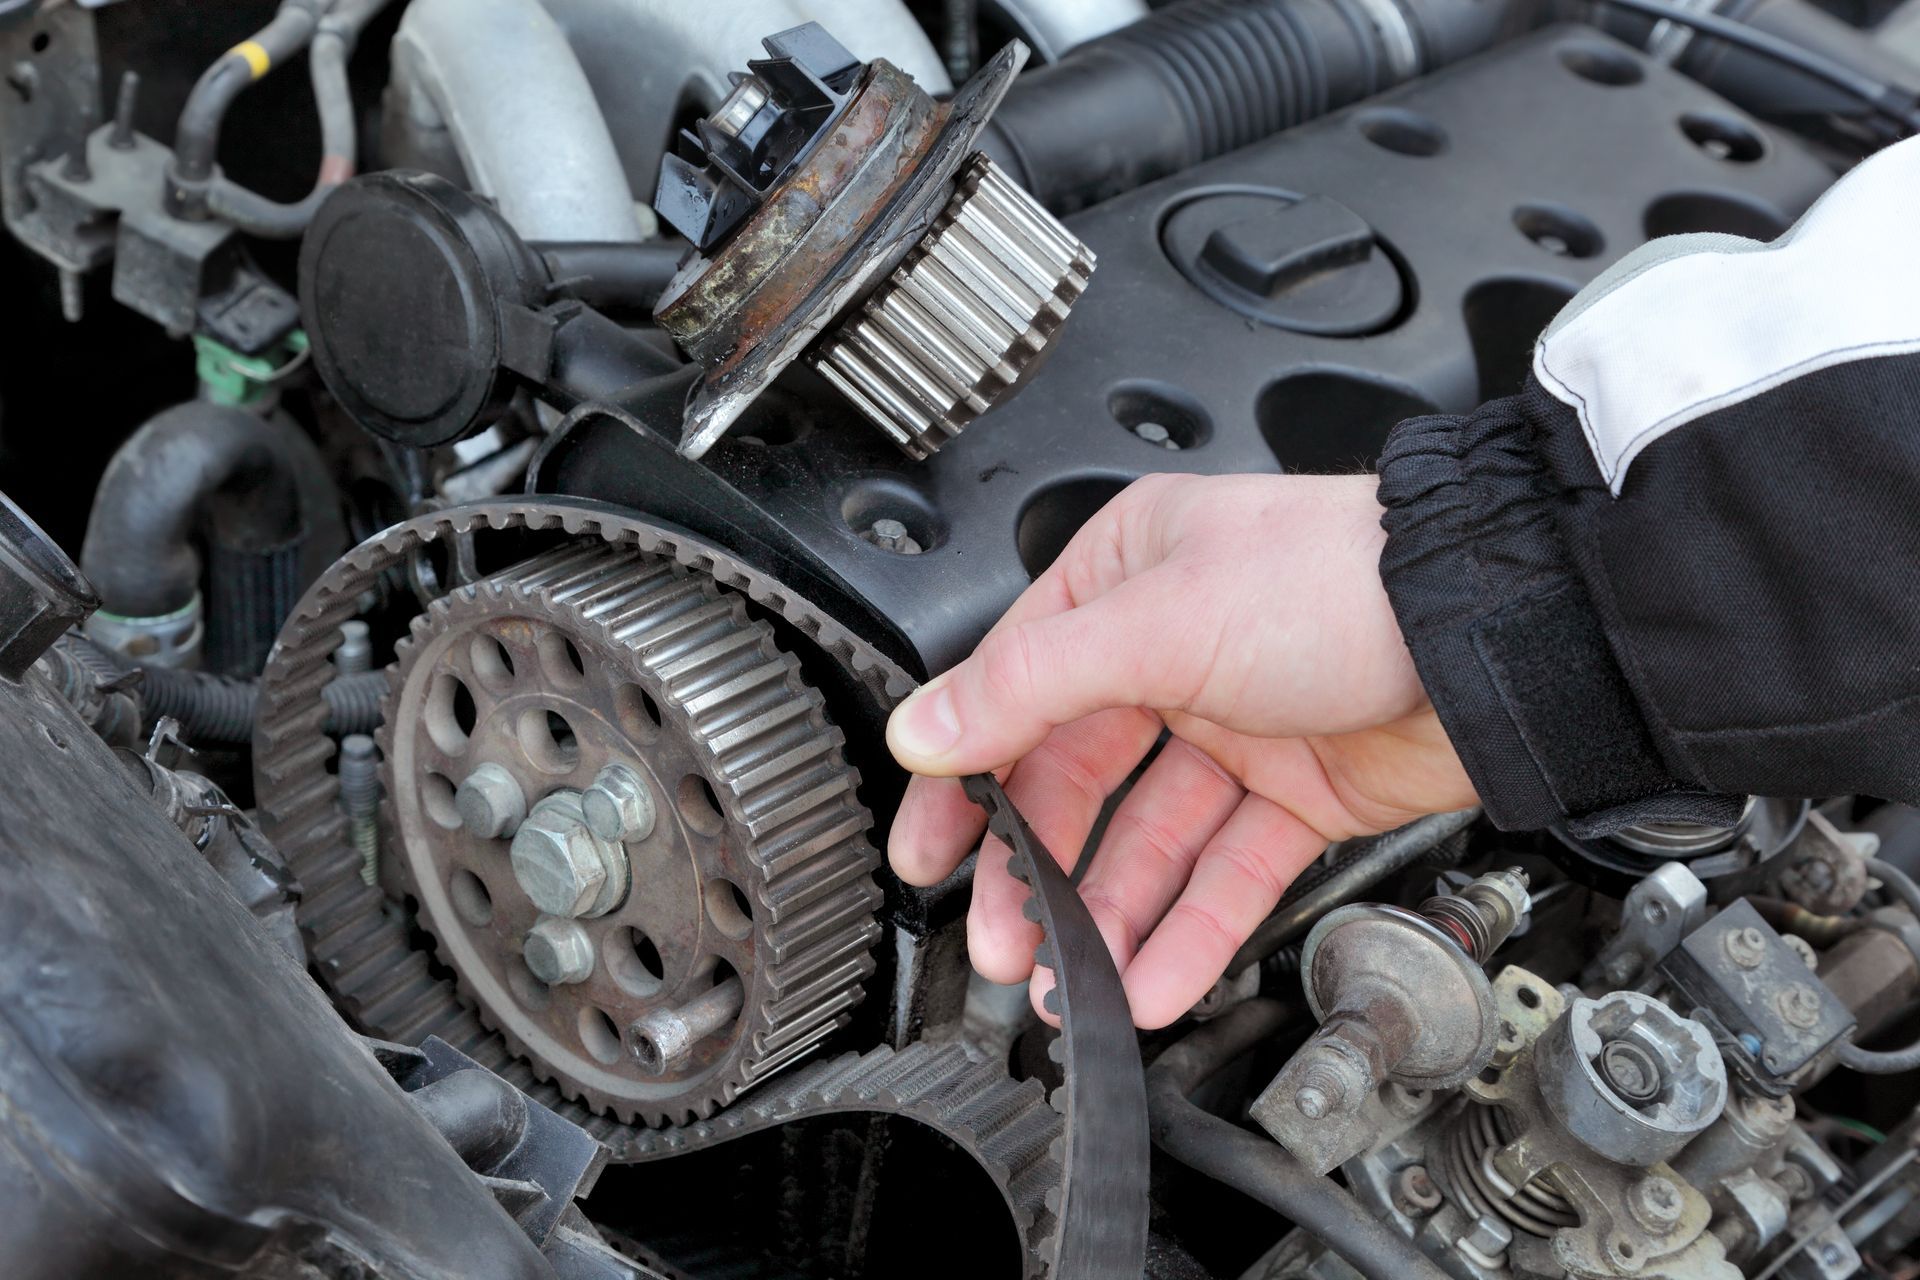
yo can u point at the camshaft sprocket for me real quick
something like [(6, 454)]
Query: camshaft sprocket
[(756, 864)]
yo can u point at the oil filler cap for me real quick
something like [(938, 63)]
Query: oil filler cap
[(1307, 264)]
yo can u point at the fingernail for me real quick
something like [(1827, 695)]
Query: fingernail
[(926, 726)]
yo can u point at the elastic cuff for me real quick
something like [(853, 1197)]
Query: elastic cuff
[(1501, 629)]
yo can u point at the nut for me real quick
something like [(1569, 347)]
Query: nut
[(1655, 1203), (1414, 1191), (490, 803), (1799, 1005), (561, 866), (558, 951), (619, 805), (1746, 947)]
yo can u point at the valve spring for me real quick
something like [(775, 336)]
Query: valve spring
[(1538, 1208), (1464, 920)]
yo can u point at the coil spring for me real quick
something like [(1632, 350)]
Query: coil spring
[(1538, 1209)]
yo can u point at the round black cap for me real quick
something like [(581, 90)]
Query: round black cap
[(402, 278)]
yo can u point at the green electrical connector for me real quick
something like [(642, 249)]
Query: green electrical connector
[(241, 380)]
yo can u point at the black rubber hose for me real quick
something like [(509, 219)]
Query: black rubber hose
[(1355, 872), (613, 277), (1886, 1062), (196, 138), (1257, 1166), (220, 709), (138, 551), (1200, 78), (332, 45)]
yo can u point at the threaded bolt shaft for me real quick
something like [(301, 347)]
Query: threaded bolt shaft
[(360, 794)]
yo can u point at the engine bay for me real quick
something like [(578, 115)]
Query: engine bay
[(479, 474)]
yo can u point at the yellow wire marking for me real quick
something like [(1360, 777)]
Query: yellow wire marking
[(258, 59)]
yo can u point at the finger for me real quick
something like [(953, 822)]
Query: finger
[(1000, 938), (936, 825), (1059, 787), (1024, 681), (1237, 880), (1148, 851)]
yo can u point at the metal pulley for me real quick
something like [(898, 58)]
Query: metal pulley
[(840, 213)]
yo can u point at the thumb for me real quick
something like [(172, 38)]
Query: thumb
[(1027, 679)]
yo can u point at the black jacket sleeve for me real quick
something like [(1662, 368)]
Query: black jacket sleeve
[(1682, 565)]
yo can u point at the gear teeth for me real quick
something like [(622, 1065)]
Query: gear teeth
[(762, 739), (966, 1100)]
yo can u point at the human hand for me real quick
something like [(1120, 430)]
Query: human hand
[(1245, 614)]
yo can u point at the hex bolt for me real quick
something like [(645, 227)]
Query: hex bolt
[(1334, 1077), (560, 864), (1799, 1004), (1746, 947), (662, 1042), (558, 951), (360, 795), (354, 653), (1656, 1204), (490, 803), (619, 805), (1155, 433), (1414, 1191), (892, 535)]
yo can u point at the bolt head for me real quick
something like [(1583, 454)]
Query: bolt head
[(1313, 1102), (1746, 947), (619, 805), (556, 860), (1656, 1203), (1799, 1005), (490, 803), (558, 951)]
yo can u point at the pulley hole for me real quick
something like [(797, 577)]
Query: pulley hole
[(599, 1036), (1403, 132), (1687, 211), (892, 515), (470, 898), (1722, 137), (526, 988), (1331, 422), (548, 740), (1528, 997), (637, 712), (729, 908), (1558, 230), (698, 805), (1163, 416), (449, 713), (634, 962), (1055, 514), (562, 660), (41, 41), (492, 664), (1601, 64), (1489, 1075), (436, 797)]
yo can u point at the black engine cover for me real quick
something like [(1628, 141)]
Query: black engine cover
[(1277, 309)]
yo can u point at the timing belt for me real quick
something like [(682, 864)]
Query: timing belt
[(1073, 1173)]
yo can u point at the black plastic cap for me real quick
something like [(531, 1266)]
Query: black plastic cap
[(403, 282)]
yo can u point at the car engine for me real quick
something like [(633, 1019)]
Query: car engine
[(479, 473)]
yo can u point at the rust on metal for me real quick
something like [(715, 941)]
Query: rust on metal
[(790, 246)]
